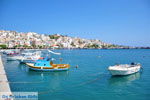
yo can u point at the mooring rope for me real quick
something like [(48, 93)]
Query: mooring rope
[(78, 85), (90, 81)]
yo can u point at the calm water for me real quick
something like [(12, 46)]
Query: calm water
[(90, 81)]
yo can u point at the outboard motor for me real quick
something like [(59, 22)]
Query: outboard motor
[(132, 63)]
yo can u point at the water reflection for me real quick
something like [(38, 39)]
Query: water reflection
[(122, 80), (52, 81), (23, 67), (39, 80)]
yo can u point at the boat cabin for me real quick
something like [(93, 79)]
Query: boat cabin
[(46, 62)]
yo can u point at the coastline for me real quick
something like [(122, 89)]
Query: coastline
[(75, 48)]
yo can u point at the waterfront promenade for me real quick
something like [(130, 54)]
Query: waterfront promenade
[(4, 85)]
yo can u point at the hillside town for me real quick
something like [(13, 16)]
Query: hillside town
[(13, 39)]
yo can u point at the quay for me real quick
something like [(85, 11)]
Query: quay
[(4, 84)]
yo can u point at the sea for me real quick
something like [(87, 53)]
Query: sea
[(88, 77)]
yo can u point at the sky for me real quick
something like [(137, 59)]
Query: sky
[(123, 22)]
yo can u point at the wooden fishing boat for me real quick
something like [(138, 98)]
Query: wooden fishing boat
[(47, 65)]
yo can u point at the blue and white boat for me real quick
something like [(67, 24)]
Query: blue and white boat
[(47, 65)]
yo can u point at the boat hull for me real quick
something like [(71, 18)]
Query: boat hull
[(50, 70), (27, 61), (61, 68), (13, 58), (126, 71)]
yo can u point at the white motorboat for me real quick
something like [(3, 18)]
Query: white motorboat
[(26, 57), (13, 58), (124, 69), (30, 58), (11, 52)]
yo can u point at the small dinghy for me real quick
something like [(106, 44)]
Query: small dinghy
[(124, 69)]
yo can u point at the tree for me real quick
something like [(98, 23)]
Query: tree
[(53, 37), (3, 46), (93, 46)]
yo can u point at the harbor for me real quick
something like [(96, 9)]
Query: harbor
[(74, 50), (91, 75)]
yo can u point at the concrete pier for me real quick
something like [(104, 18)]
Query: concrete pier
[(4, 84)]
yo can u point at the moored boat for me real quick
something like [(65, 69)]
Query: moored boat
[(11, 52), (47, 65), (30, 57), (14, 58), (124, 69), (26, 57)]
